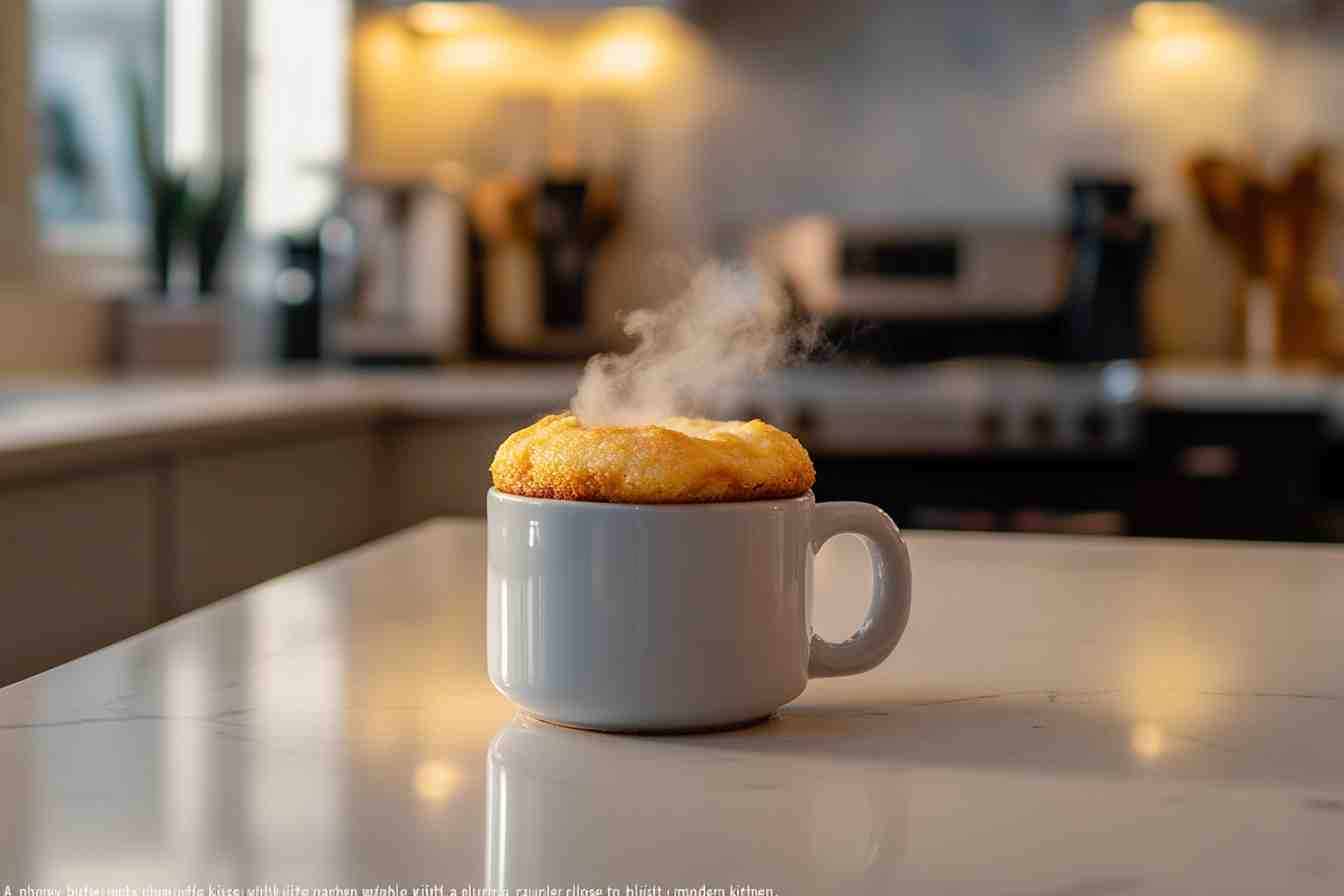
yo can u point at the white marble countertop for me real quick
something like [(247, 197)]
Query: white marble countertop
[(1064, 716), (49, 426)]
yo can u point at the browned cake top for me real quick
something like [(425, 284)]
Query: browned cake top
[(678, 460)]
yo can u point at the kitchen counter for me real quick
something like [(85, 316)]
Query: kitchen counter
[(1239, 389), (1062, 716), (46, 428)]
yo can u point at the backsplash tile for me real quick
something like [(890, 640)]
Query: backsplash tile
[(899, 112)]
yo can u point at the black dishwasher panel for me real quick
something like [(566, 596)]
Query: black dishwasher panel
[(1232, 475)]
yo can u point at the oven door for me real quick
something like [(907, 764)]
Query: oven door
[(1011, 492)]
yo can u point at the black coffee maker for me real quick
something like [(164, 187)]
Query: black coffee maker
[(1110, 251), (563, 222)]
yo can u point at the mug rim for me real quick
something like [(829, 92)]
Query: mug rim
[(706, 506)]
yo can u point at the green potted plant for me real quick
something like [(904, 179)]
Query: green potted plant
[(189, 214), (199, 212)]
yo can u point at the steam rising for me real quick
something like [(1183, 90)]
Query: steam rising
[(696, 353)]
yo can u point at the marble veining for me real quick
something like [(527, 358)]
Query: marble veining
[(1063, 716)]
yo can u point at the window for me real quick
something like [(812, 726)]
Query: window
[(86, 56), (210, 70), (296, 126)]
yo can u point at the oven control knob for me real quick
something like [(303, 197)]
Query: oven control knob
[(989, 426), (1041, 425), (1095, 424)]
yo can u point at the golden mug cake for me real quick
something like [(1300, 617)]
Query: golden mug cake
[(679, 460)]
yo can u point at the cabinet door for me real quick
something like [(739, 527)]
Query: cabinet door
[(77, 567), (241, 517), (442, 468), (1222, 475)]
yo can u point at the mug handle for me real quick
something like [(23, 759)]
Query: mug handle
[(890, 607)]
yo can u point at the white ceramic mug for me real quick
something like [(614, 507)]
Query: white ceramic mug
[(680, 617)]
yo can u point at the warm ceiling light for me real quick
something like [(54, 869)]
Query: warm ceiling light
[(626, 55), (440, 19), (477, 52), (1162, 18), (629, 44)]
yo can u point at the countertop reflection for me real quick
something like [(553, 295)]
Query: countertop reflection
[(1063, 716)]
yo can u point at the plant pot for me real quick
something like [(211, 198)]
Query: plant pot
[(171, 333)]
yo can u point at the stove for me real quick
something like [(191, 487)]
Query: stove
[(981, 407), (977, 444)]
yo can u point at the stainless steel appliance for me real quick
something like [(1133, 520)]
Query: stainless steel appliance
[(397, 262), (535, 245), (984, 444), (902, 294), (901, 271), (1109, 247)]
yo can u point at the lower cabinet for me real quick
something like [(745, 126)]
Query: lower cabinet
[(78, 566), (442, 467), (1239, 476), (89, 559), (244, 515)]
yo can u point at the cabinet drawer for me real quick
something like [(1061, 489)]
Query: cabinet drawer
[(1231, 475)]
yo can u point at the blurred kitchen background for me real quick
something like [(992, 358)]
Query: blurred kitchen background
[(276, 277)]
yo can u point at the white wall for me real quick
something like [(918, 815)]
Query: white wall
[(962, 110)]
